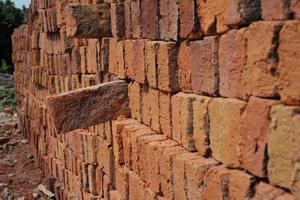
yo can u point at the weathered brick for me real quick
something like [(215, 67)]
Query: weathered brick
[(136, 187), (78, 25), (150, 108), (178, 171), (168, 22), (241, 12), (135, 100), (260, 74), (118, 20), (204, 66), (268, 192), (295, 7), (211, 14), (225, 118), (283, 151), (184, 64), (92, 179), (151, 52), (189, 20), (167, 67), (275, 10), (195, 171), (253, 135), (289, 62), (232, 60), (149, 10), (122, 182), (165, 113), (84, 119), (134, 59)]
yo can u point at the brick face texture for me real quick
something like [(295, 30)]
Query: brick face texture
[(213, 93)]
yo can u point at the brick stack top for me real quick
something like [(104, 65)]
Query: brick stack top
[(214, 97)]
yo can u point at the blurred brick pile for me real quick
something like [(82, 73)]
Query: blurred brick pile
[(214, 97)]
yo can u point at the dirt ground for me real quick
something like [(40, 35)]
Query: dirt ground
[(19, 174)]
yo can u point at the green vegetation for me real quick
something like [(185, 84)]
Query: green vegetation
[(7, 96), (10, 18)]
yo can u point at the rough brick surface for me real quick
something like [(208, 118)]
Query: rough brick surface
[(71, 111), (283, 139), (210, 89)]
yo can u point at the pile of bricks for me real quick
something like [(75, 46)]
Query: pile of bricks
[(213, 88)]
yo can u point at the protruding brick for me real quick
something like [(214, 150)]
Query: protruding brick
[(151, 52), (135, 100), (85, 107), (283, 151)]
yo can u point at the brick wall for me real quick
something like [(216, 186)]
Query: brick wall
[(214, 95)]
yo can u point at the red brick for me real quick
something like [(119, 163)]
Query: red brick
[(122, 182), (195, 171), (99, 181), (179, 179), (295, 7), (289, 61), (268, 192), (134, 59), (253, 135), (136, 18), (93, 55), (105, 54), (150, 108), (232, 60), (113, 67), (117, 129), (154, 152), (135, 100), (283, 151), (92, 179), (225, 119), (136, 187), (151, 52), (204, 67), (215, 182), (165, 113), (105, 159), (117, 20), (122, 70), (189, 21), (211, 14), (144, 166), (184, 63), (114, 195), (275, 10), (241, 12), (166, 177), (260, 73), (168, 23), (149, 10), (167, 67)]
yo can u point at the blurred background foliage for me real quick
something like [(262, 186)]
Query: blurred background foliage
[(10, 18)]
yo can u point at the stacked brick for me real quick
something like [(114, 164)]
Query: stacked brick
[(213, 91)]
